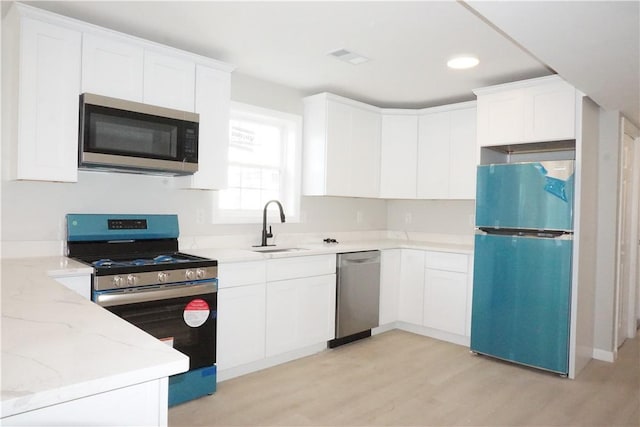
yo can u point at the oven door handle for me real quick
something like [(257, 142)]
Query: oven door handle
[(113, 299)]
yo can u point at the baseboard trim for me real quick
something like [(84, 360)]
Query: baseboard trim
[(237, 371), (604, 355)]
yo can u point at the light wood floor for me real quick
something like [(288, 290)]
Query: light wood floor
[(401, 379)]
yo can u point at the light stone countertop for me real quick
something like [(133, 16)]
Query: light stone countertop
[(253, 254), (58, 346)]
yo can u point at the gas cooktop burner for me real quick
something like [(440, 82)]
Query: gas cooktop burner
[(160, 259)]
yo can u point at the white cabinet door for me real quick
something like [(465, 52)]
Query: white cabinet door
[(389, 285), (447, 154), (411, 292), (433, 155), (49, 87), (550, 112), (241, 325), (398, 163), (283, 312), (338, 167), (300, 312), (463, 151), (364, 162), (317, 310), (169, 81), (501, 118), (445, 301), (213, 98), (112, 67), (341, 148)]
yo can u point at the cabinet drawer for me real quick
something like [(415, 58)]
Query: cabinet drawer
[(447, 261), (304, 266), (241, 273)]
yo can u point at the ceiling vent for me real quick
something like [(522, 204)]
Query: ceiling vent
[(349, 56)]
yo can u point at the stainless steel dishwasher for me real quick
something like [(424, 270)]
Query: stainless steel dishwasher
[(357, 296)]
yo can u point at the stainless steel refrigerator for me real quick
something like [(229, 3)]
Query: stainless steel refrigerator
[(522, 263)]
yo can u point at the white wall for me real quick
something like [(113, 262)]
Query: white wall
[(608, 165), (432, 216)]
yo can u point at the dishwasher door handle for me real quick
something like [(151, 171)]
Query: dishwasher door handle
[(361, 261)]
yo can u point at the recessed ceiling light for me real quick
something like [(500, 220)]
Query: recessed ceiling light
[(462, 62), (349, 56)]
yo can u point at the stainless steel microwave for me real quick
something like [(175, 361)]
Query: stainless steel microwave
[(129, 136)]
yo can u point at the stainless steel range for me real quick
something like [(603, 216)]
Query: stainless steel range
[(140, 275)]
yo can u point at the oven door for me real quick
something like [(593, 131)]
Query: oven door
[(184, 315)]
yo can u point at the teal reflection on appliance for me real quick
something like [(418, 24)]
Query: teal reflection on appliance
[(521, 300), (535, 196)]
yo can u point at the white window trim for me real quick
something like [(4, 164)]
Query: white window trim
[(291, 182)]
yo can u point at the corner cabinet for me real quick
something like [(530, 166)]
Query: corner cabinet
[(535, 110), (398, 163), (341, 147), (52, 59), (447, 152), (43, 61)]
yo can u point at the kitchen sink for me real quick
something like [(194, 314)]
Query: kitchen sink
[(276, 250)]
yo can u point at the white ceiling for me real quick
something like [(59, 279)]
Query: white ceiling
[(409, 43)]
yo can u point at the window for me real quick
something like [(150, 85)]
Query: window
[(264, 164)]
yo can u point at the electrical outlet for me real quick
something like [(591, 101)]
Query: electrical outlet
[(199, 216), (408, 218), (472, 219), (359, 217)]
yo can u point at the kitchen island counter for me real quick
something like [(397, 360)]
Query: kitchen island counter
[(58, 346)]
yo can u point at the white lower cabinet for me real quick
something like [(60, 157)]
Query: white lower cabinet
[(300, 312), (241, 314), (445, 301), (241, 331), (389, 282), (142, 404), (273, 311), (411, 289), (433, 292)]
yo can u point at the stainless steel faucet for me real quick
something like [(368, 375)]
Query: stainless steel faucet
[(265, 234)]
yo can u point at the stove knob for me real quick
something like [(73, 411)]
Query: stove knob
[(190, 274), (132, 280), (118, 281), (200, 273), (162, 277)]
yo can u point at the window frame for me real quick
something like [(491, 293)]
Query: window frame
[(291, 165)]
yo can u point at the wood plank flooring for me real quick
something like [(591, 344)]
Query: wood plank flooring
[(402, 379)]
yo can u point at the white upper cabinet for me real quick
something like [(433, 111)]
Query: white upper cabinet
[(112, 67), (48, 77), (398, 148), (463, 154), (213, 94), (169, 81), (535, 110), (447, 152), (341, 147)]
